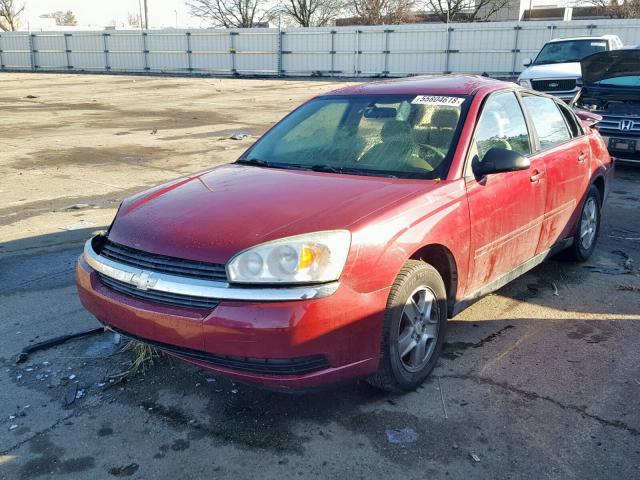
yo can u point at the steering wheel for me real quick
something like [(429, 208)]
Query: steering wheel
[(434, 155)]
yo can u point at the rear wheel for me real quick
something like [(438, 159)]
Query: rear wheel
[(588, 228), (413, 330)]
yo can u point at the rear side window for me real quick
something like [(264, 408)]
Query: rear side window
[(572, 121), (547, 120)]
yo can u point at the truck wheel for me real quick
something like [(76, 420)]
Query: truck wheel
[(588, 228), (413, 329)]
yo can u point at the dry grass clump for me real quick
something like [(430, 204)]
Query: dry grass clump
[(143, 358)]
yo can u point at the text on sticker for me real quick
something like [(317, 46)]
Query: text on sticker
[(437, 100)]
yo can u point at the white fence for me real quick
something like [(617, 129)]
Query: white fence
[(496, 48)]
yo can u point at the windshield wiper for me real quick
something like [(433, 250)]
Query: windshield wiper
[(253, 161), (350, 171), (325, 168)]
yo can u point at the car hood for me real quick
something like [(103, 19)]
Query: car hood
[(212, 216), (556, 70), (615, 63)]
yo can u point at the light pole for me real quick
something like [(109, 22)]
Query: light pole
[(176, 12), (146, 16), (140, 15)]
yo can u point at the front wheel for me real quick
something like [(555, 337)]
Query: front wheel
[(588, 228), (413, 329)]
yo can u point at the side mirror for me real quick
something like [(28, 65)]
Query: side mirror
[(498, 160), (526, 62)]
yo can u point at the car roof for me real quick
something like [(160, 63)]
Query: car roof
[(588, 37), (424, 85)]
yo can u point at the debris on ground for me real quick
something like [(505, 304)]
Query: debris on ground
[(239, 136), (53, 342), (125, 470), (607, 270), (401, 435), (628, 288), (70, 394), (31, 96), (78, 225), (475, 457), (555, 289), (13, 427), (76, 206), (154, 131)]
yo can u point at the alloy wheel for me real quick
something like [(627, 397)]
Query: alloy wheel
[(418, 329), (588, 223)]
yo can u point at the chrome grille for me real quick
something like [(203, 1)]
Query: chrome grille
[(158, 296), (614, 124), (554, 85), (162, 263)]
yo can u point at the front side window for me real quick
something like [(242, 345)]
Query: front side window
[(404, 136), (502, 125), (549, 123), (569, 51)]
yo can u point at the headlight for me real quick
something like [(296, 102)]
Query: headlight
[(309, 258), (525, 83)]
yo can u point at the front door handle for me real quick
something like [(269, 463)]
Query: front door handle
[(537, 175), (582, 157)]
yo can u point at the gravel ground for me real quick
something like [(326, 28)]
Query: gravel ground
[(540, 380)]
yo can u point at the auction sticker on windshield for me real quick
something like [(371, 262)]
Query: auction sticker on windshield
[(437, 100)]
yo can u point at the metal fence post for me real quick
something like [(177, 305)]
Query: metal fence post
[(1, 59), (358, 53), (386, 52), (449, 51), (67, 51), (145, 51), (232, 51), (515, 50), (591, 27), (105, 45), (280, 39), (189, 52), (33, 52), (333, 51)]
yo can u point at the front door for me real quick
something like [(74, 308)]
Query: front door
[(506, 209)]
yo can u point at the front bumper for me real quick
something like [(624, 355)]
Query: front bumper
[(614, 142), (284, 344)]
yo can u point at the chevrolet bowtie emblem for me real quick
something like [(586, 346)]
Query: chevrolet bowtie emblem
[(144, 280)]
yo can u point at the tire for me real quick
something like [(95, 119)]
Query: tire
[(588, 228), (406, 324)]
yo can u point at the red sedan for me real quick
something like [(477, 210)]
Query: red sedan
[(338, 245)]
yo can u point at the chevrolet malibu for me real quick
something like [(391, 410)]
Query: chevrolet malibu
[(339, 244)]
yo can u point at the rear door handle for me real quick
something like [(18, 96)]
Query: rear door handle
[(582, 157), (537, 175)]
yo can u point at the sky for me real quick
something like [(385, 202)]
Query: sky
[(95, 13)]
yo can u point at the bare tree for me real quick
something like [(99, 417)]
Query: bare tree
[(133, 20), (231, 13), (66, 19), (10, 11), (379, 12), (464, 10), (311, 13), (615, 8)]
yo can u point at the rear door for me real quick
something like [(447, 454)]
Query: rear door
[(560, 140), (506, 209)]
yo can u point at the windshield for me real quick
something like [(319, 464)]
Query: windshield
[(569, 51), (400, 136), (625, 81)]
